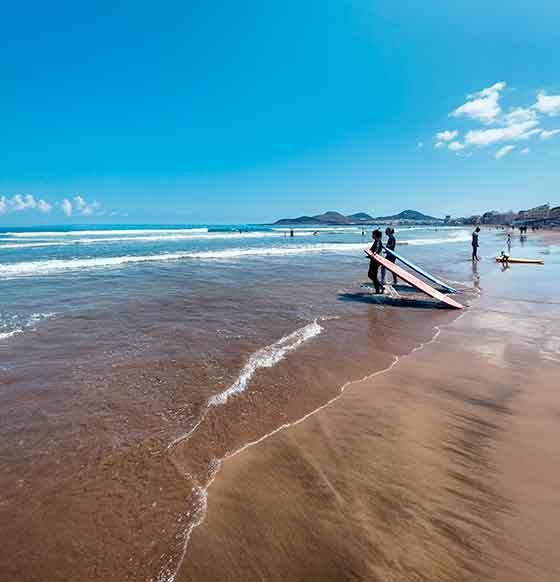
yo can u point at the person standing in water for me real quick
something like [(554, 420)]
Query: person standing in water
[(391, 244), (376, 249), (475, 244)]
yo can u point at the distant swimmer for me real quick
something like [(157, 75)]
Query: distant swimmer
[(291, 232), (376, 248), (316, 233), (391, 244), (475, 244)]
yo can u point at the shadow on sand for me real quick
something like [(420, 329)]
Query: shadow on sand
[(373, 299)]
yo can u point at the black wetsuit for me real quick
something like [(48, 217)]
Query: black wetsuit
[(391, 244), (376, 248), (475, 245)]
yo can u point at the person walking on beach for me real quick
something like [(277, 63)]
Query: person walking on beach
[(376, 249), (391, 244), (509, 242), (475, 244)]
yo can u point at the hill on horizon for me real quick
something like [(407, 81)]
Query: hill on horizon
[(408, 215), (332, 217)]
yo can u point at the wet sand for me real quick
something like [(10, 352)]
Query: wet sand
[(443, 468)]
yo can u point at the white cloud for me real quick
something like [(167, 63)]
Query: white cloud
[(446, 135), (83, 207), (549, 104), (525, 151), (19, 202), (43, 206), (519, 115), (504, 151), (89, 208), (66, 206), (514, 132), (455, 146), (69, 206), (80, 202), (548, 134), (439, 144), (482, 106)]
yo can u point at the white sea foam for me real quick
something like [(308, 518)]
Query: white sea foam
[(48, 266), (434, 241), (99, 232), (312, 228), (153, 238), (30, 245), (11, 325), (267, 357)]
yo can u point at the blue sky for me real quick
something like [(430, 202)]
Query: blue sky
[(187, 112)]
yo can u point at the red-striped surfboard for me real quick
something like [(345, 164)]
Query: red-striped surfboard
[(414, 281)]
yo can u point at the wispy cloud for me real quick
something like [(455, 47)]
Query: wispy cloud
[(456, 146), (525, 151), (446, 135), (548, 134), (515, 132), (504, 151)]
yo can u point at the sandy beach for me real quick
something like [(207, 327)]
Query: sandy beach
[(444, 467)]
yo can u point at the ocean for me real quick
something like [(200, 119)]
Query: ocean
[(134, 359)]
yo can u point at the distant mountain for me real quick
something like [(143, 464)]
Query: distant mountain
[(410, 215), (361, 217), (333, 218), (328, 218)]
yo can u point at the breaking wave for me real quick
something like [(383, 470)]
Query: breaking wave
[(48, 266)]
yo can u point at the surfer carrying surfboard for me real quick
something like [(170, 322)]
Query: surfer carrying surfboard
[(376, 249), (391, 244)]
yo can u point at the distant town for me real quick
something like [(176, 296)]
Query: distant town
[(541, 216)]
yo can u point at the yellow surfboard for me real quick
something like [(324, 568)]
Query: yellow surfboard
[(512, 260)]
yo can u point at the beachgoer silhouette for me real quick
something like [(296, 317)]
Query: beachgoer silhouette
[(376, 249), (475, 244), (391, 244)]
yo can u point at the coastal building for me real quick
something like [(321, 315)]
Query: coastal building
[(554, 216), (494, 217), (533, 215)]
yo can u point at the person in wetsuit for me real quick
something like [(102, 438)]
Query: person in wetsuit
[(391, 244), (376, 248), (475, 244)]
